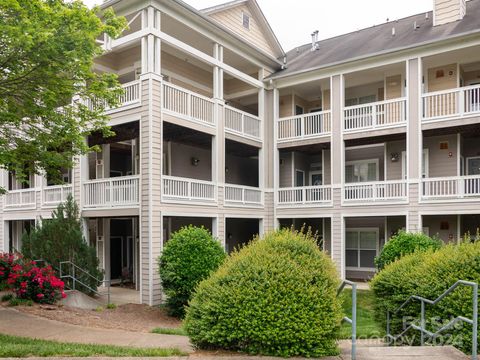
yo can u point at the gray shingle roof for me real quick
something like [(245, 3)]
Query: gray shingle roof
[(379, 39)]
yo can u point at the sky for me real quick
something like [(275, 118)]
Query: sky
[(294, 20)]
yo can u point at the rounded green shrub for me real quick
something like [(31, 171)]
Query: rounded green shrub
[(405, 243), (187, 258), (275, 296), (429, 274)]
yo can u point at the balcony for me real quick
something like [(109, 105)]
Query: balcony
[(242, 123), (306, 126), (451, 188), (375, 115), (111, 192), (130, 97), (376, 192), (20, 199), (188, 105), (55, 195), (305, 195), (243, 195), (453, 103), (186, 189)]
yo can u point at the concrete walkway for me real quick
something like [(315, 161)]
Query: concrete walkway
[(14, 322)]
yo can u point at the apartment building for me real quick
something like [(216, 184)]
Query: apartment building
[(357, 136)]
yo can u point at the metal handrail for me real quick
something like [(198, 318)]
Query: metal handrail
[(74, 268), (353, 320), (423, 331)]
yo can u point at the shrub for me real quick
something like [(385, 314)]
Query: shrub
[(188, 258), (61, 239), (30, 282), (7, 262), (429, 274), (405, 243), (275, 296)]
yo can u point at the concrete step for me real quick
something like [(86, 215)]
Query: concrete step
[(406, 352)]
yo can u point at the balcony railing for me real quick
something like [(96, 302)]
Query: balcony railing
[(455, 187), (130, 96), (111, 192), (305, 195), (456, 102), (242, 123), (243, 195), (187, 104), (23, 198), (305, 126), (376, 191), (54, 195), (375, 115), (179, 188)]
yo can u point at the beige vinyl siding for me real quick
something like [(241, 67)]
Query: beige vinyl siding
[(286, 106), (447, 78), (286, 170), (433, 223), (448, 10), (181, 162), (326, 99), (393, 87), (441, 162), (232, 19), (394, 168), (327, 170)]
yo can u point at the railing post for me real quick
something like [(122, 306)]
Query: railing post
[(422, 323), (461, 102), (302, 126), (73, 277), (475, 322), (374, 116), (461, 187)]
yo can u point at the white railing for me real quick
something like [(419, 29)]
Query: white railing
[(375, 115), (305, 126), (111, 192), (305, 195), (130, 96), (179, 188), (187, 104), (376, 191), (451, 187), (242, 123), (54, 195), (451, 103), (245, 195), (20, 198)]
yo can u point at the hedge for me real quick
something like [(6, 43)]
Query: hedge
[(188, 257), (405, 243), (429, 274), (275, 296)]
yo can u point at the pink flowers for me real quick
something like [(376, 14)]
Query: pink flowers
[(29, 281)]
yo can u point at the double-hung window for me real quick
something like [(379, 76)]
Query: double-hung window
[(361, 247), (361, 171)]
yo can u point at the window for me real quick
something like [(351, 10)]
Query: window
[(246, 21), (298, 110), (361, 171), (361, 247), (316, 178)]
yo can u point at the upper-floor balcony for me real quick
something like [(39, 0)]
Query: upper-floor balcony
[(375, 192), (130, 98), (21, 199), (304, 126), (111, 192), (183, 189)]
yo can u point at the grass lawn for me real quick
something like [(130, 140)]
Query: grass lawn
[(367, 327), (15, 346), (170, 331)]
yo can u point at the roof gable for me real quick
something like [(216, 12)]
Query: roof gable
[(259, 34)]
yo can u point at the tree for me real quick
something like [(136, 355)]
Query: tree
[(47, 49), (61, 239)]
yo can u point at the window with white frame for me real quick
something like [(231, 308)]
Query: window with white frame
[(361, 247), (361, 171), (246, 21)]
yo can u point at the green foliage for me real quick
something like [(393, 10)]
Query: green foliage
[(170, 331), (111, 306), (7, 297), (429, 274), (46, 58), (61, 239), (16, 346), (188, 258), (14, 301), (275, 296), (405, 243)]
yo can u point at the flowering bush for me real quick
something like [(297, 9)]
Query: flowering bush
[(7, 262), (29, 281)]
